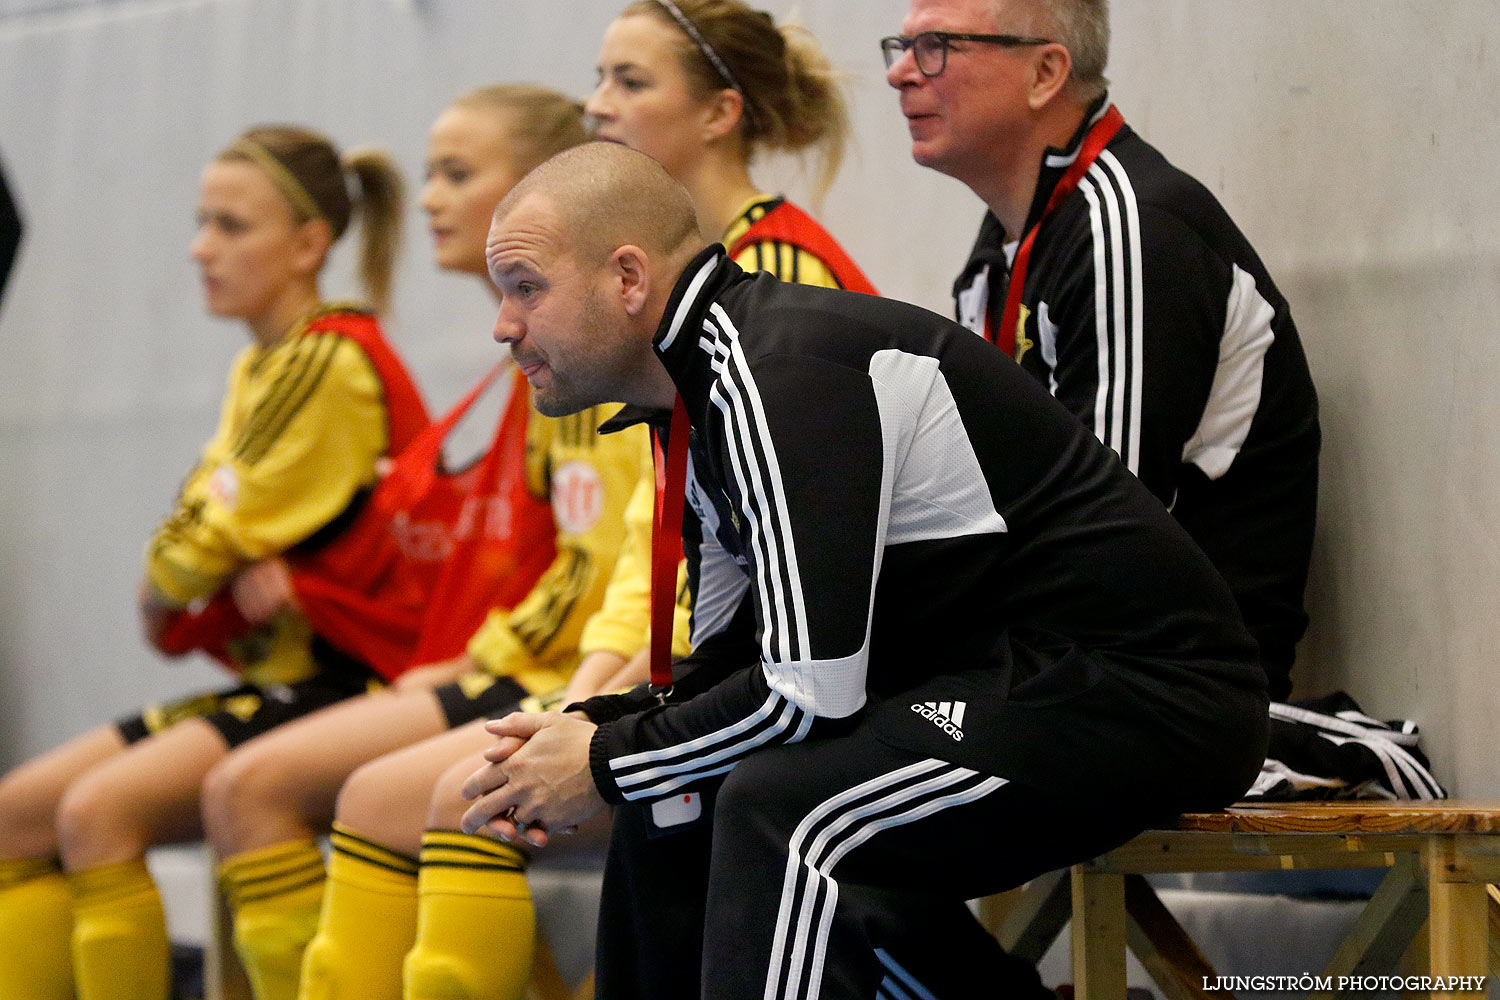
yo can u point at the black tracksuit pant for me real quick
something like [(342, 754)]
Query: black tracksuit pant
[(836, 868)]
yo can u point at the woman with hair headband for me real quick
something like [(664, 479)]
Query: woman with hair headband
[(266, 805), (314, 401), (702, 86)]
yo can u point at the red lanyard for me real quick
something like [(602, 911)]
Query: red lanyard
[(1093, 144), (666, 541)]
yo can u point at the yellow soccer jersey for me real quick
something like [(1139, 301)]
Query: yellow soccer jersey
[(301, 426), (589, 478), (787, 262), (623, 624)]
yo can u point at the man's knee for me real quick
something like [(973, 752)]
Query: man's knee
[(749, 791), (764, 798)]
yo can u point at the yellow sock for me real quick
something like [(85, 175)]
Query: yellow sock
[(475, 924), (369, 923), (275, 894), (120, 949), (36, 926)]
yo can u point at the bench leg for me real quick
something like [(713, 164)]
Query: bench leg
[(1494, 932), (1164, 948), (1459, 914), (546, 982), (1030, 917), (1386, 926), (1098, 935)]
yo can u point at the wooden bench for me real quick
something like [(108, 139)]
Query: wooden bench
[(1440, 858)]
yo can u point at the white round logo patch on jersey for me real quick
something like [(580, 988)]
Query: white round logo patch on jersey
[(224, 486), (577, 497)]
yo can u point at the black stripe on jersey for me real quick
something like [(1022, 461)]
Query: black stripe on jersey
[(293, 367), (177, 524), (1115, 221), (290, 370), (304, 368), (654, 773), (580, 430), (754, 467), (272, 417), (540, 627)]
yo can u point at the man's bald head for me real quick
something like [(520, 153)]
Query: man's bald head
[(604, 196)]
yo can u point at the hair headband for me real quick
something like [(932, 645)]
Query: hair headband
[(286, 182), (691, 30)]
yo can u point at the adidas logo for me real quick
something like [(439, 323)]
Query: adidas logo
[(946, 715)]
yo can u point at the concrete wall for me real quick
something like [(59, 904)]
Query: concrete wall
[(1352, 139)]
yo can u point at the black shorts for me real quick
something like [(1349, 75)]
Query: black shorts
[(480, 695), (243, 712)]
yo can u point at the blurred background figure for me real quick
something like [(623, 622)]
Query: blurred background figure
[(10, 231), (314, 400)]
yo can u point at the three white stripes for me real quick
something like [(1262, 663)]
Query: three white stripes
[(802, 924), (736, 397), (1118, 322)]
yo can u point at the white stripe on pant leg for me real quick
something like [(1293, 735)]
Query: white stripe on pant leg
[(902, 976), (818, 870), (793, 861), (889, 989), (813, 885), (869, 830)]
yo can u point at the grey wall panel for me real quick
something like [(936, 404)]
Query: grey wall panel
[(1354, 141)]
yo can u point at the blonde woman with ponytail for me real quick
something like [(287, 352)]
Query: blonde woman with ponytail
[(266, 805), (314, 402)]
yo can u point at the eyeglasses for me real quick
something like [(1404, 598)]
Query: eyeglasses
[(931, 47)]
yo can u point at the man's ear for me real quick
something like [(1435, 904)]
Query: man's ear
[(314, 239), (631, 269), (1051, 69)]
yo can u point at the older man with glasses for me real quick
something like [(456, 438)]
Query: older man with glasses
[(1122, 284)]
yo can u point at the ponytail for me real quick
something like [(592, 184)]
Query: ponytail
[(382, 198)]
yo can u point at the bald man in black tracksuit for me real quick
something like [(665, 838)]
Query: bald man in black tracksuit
[(967, 614)]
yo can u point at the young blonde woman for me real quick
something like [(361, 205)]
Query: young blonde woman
[(479, 147), (265, 805), (702, 87), (314, 401)]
